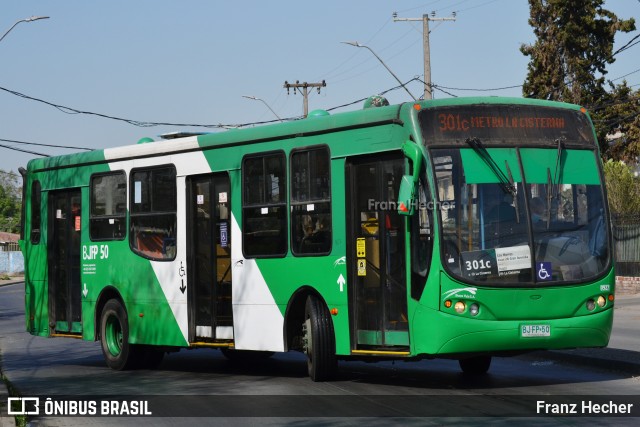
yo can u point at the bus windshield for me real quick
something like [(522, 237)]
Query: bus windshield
[(517, 215)]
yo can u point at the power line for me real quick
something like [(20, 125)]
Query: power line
[(381, 93), (45, 145), (23, 151), (138, 123), (477, 6), (627, 46), (628, 74)]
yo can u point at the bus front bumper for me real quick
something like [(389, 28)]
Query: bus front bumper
[(467, 335)]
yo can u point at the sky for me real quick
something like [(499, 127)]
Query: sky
[(190, 62)]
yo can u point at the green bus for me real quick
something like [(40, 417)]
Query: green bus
[(459, 228)]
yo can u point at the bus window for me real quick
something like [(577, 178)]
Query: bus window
[(108, 195), (36, 197), (310, 202), (153, 213), (264, 206)]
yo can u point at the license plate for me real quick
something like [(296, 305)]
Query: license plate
[(528, 331)]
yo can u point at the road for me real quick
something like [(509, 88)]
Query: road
[(279, 388)]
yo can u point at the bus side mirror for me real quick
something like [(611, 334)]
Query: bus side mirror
[(406, 196), (412, 152), (407, 193)]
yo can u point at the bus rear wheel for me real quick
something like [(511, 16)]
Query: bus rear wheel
[(114, 336), (319, 340), (478, 365)]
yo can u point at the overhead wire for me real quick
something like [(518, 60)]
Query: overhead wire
[(45, 145), (24, 151)]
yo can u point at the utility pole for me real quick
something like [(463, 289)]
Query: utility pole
[(303, 88), (427, 54)]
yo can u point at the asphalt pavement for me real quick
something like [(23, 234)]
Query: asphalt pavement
[(622, 354), (6, 420)]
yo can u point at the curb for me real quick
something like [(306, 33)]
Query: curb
[(12, 281), (6, 420)]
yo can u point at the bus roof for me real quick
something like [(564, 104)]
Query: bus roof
[(292, 129)]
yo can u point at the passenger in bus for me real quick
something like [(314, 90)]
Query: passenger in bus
[(500, 221), (503, 212)]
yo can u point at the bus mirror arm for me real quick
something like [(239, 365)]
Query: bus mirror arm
[(406, 195)]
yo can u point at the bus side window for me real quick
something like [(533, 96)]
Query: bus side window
[(36, 198), (153, 212), (108, 206), (264, 205), (310, 198)]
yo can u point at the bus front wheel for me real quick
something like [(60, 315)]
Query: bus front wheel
[(475, 365), (319, 340), (114, 336)]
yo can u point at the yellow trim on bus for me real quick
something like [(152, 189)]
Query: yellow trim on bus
[(381, 353), (212, 344), (79, 336)]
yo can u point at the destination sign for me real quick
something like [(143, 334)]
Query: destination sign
[(495, 123), (457, 122)]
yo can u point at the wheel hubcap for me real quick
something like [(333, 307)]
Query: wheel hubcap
[(113, 335)]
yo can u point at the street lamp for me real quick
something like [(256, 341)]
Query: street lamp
[(264, 102), (33, 18), (356, 44)]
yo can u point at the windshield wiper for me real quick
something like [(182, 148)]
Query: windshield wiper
[(553, 185), (558, 170), (505, 183), (549, 197), (515, 193)]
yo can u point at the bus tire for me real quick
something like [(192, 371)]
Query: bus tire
[(478, 365), (319, 340), (114, 337)]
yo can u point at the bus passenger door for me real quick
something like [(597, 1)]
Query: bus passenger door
[(209, 246), (376, 254), (65, 314)]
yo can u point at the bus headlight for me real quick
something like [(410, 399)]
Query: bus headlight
[(459, 307), (591, 304), (474, 309), (601, 301)]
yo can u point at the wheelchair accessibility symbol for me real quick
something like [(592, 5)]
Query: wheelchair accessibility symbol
[(544, 271)]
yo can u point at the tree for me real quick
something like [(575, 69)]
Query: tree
[(10, 204), (623, 188), (573, 48), (620, 119)]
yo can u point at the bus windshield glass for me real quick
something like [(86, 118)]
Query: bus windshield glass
[(520, 210)]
